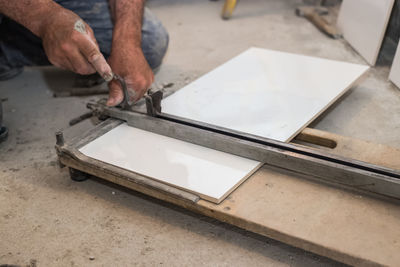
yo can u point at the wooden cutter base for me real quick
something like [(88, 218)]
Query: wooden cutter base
[(284, 205)]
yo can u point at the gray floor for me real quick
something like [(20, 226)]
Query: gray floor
[(46, 217)]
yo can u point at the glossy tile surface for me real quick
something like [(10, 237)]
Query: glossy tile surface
[(263, 92), (209, 173), (394, 75), (363, 24)]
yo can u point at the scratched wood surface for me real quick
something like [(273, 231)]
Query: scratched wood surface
[(338, 223)]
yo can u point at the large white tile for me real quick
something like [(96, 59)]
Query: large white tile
[(209, 173), (263, 92), (363, 24), (394, 75)]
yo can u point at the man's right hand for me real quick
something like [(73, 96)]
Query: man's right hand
[(69, 43)]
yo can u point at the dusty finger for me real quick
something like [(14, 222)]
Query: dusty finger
[(139, 93), (91, 34), (145, 87), (80, 64), (93, 55)]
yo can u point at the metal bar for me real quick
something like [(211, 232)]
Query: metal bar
[(284, 146), (320, 165), (116, 113)]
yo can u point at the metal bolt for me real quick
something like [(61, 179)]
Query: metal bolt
[(59, 138)]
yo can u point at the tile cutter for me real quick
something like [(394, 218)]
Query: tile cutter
[(320, 165)]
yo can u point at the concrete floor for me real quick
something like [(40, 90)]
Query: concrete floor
[(46, 217)]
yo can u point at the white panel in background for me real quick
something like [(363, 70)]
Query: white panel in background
[(265, 93), (206, 172), (394, 75), (363, 24)]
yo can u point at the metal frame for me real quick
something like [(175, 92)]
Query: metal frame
[(317, 164)]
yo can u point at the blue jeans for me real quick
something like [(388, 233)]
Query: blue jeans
[(19, 47)]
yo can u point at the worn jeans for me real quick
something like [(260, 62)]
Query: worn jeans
[(19, 47)]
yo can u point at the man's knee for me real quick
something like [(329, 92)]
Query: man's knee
[(155, 39)]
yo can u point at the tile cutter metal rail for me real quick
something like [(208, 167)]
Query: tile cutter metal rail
[(316, 164)]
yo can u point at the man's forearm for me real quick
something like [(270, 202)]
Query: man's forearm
[(127, 58), (127, 16), (29, 13)]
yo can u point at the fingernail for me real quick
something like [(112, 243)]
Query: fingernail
[(108, 76)]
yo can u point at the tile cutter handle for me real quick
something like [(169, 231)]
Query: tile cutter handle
[(126, 102)]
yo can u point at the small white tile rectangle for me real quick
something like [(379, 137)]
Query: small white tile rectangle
[(265, 93), (206, 172), (363, 24)]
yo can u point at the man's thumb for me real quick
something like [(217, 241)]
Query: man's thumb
[(115, 95)]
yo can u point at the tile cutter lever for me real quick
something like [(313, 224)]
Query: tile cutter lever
[(153, 100), (126, 102)]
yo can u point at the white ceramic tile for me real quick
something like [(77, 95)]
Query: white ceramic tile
[(209, 173), (263, 92), (363, 24), (394, 75)]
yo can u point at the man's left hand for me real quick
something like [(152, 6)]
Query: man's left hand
[(129, 62)]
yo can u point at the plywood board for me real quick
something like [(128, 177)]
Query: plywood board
[(266, 93), (209, 173), (394, 75), (359, 230), (363, 24)]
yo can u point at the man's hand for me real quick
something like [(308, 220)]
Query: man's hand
[(129, 62), (127, 59), (69, 43)]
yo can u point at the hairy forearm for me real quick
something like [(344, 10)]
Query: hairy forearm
[(127, 16), (29, 13)]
